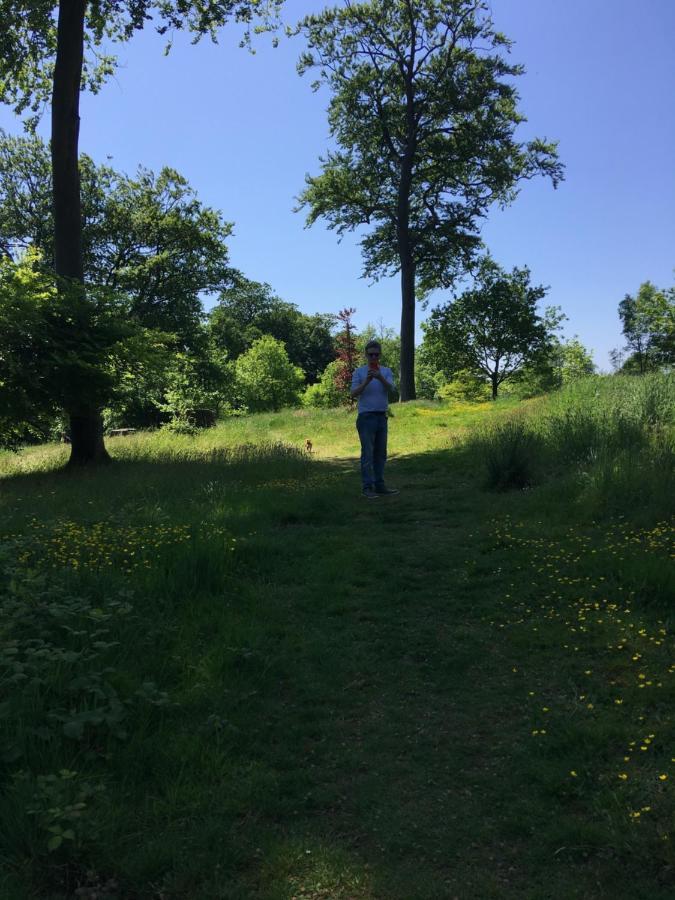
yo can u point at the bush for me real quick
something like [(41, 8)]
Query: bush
[(265, 378), (195, 386), (326, 393), (465, 386)]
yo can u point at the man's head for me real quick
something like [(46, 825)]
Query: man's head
[(373, 351)]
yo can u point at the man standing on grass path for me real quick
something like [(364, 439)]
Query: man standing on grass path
[(371, 384)]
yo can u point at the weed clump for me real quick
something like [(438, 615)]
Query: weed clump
[(510, 454)]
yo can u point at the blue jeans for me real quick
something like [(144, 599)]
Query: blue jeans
[(372, 429)]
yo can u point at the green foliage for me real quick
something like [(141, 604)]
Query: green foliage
[(428, 379), (25, 400), (277, 649), (55, 645), (428, 120), (562, 363), (29, 38), (648, 324), (575, 361), (464, 385), (615, 437), (326, 393), (61, 807), (423, 112), (61, 348), (509, 454), (50, 52), (194, 385), (265, 378), (147, 237), (492, 330), (247, 310)]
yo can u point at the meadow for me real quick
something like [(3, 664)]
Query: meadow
[(226, 675)]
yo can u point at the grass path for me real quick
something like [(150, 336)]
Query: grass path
[(419, 776), (411, 699)]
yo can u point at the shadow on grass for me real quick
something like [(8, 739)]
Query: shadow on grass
[(342, 722)]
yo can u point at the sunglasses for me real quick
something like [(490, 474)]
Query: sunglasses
[(376, 353)]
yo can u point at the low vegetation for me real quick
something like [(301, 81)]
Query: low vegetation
[(224, 675)]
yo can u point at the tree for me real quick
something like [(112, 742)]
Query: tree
[(44, 56), (266, 378), (648, 324), (148, 236), (347, 351), (492, 330), (423, 110), (247, 310), (574, 361), (59, 348), (196, 387), (24, 398)]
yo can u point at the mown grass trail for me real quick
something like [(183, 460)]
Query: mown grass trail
[(434, 695)]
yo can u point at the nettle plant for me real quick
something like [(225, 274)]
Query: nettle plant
[(62, 806), (57, 664)]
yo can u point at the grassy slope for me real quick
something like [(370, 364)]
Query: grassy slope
[(381, 700)]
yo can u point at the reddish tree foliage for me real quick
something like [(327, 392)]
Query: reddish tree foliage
[(345, 343)]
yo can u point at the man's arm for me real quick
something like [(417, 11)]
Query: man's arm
[(358, 387), (387, 380)]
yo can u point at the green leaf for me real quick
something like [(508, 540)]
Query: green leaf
[(74, 729), (54, 842)]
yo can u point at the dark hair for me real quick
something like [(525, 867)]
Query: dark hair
[(374, 343)]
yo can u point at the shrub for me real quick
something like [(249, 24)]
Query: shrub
[(196, 384), (326, 393), (465, 385), (265, 378)]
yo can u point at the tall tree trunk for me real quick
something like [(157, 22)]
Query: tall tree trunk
[(407, 386), (407, 378), (495, 386), (85, 421)]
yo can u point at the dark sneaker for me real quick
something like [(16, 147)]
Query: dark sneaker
[(369, 494), (387, 490)]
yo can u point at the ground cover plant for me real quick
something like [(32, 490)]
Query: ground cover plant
[(224, 675)]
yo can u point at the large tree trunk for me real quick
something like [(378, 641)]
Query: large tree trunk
[(85, 421), (405, 251), (86, 438), (407, 385)]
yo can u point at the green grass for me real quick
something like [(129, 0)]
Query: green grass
[(269, 688)]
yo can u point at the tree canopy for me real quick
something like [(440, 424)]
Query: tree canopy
[(266, 379), (247, 310), (28, 41), (648, 325), (423, 110), (147, 236), (492, 330), (49, 51), (60, 349)]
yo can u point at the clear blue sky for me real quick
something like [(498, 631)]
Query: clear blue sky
[(244, 129)]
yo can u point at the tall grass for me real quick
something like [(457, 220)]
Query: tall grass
[(614, 437)]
